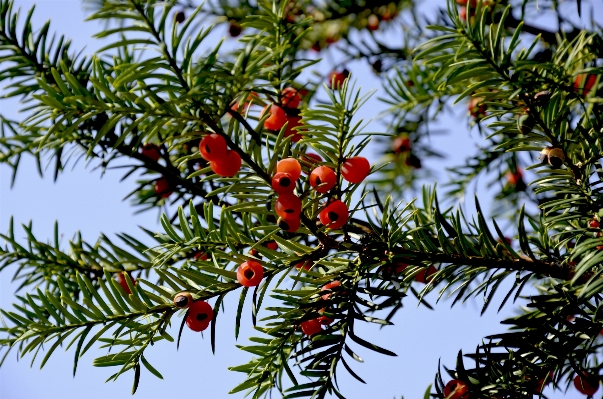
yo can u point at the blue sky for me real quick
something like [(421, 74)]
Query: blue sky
[(82, 200)]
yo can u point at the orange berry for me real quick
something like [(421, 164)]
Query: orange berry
[(329, 286), (294, 121), (162, 188), (291, 166), (121, 279), (283, 183), (199, 316), (586, 386), (250, 273), (323, 179), (288, 206), (151, 151), (336, 79), (355, 169), (290, 225), (334, 215), (456, 389), (290, 98), (227, 166), (200, 256), (212, 147), (307, 265), (277, 117), (311, 327), (373, 22)]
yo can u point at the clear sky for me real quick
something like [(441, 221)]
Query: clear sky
[(82, 200)]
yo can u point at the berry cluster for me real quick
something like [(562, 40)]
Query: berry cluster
[(223, 162), (285, 112)]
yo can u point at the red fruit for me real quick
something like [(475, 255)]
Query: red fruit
[(334, 215), (593, 224), (401, 144), (329, 286), (250, 98), (311, 158), (277, 117), (213, 147), (426, 274), (162, 188), (585, 83), (151, 151), (323, 179), (234, 29), (463, 13), (586, 386), (307, 265), (290, 98), (514, 178), (456, 389), (373, 22), (200, 256), (272, 245), (253, 252), (294, 121), (311, 327), (283, 183), (227, 166), (336, 79), (121, 279), (324, 320), (475, 106), (400, 266), (289, 225), (291, 166), (288, 206), (250, 273), (355, 169), (199, 316)]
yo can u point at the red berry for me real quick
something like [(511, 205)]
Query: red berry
[(401, 144), (253, 252), (334, 215), (253, 96), (283, 183), (289, 225), (329, 286), (151, 151), (291, 166), (272, 245), (476, 108), (234, 29), (307, 265), (324, 320), (294, 121), (277, 117), (288, 206), (121, 279), (456, 389), (199, 316), (373, 22), (586, 386), (290, 98), (163, 188), (311, 327), (400, 266), (200, 256), (585, 83), (250, 273), (355, 169), (426, 274), (336, 79), (311, 159), (213, 147), (463, 13), (593, 224), (227, 166), (323, 179)]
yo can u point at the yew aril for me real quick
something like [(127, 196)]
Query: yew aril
[(456, 389), (162, 188), (323, 179), (288, 206), (291, 166), (200, 314), (355, 169), (213, 147), (227, 166), (151, 151), (311, 327), (250, 273), (334, 215), (277, 118)]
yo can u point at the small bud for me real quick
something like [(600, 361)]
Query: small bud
[(183, 300), (542, 98), (525, 124), (556, 157)]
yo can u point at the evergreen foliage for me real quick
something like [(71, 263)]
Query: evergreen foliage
[(534, 95)]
